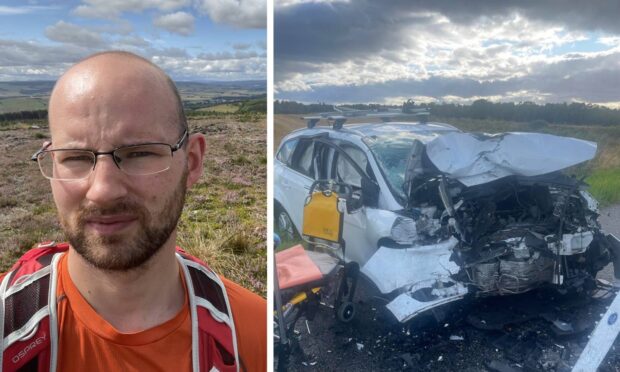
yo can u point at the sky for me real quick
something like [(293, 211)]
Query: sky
[(192, 40), (347, 51)]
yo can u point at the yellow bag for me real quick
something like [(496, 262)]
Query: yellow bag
[(322, 218)]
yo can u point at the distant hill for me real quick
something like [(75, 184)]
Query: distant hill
[(16, 96), (25, 88), (187, 87)]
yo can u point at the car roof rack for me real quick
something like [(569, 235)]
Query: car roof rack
[(423, 116), (336, 120), (311, 121), (339, 117)]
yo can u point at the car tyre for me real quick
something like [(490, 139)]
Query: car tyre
[(346, 312), (284, 225)]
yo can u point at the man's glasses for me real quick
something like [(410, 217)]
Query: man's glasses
[(134, 160)]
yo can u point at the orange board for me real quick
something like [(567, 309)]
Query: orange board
[(295, 267)]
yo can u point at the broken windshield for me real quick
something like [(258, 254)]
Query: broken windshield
[(392, 152)]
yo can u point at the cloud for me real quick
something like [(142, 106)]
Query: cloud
[(332, 32), (119, 26), (73, 34), (167, 52), (340, 30), (15, 10), (238, 13), (296, 2), (181, 23), (241, 46), (374, 51), (565, 80), (131, 42), (22, 60), (203, 68), (221, 56), (23, 53), (112, 9)]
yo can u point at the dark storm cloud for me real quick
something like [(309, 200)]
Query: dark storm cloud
[(310, 35), (331, 32), (324, 32), (595, 15)]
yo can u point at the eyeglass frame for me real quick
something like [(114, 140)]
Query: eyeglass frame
[(173, 149)]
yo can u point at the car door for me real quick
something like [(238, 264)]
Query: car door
[(296, 179), (355, 224)]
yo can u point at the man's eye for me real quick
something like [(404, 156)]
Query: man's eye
[(75, 159), (139, 154)]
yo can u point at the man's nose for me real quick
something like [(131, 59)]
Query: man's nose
[(107, 182)]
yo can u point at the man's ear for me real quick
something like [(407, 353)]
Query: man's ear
[(196, 147)]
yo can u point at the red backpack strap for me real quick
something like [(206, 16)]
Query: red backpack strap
[(25, 311), (214, 339), (34, 260)]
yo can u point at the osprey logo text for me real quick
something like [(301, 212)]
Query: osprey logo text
[(22, 353)]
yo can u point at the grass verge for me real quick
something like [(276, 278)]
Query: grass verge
[(605, 186)]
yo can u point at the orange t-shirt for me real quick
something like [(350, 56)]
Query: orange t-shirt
[(87, 342)]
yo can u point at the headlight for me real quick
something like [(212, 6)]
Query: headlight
[(404, 230)]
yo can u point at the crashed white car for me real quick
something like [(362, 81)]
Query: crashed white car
[(437, 214)]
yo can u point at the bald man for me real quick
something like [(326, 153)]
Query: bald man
[(120, 296)]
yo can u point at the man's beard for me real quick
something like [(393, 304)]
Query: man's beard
[(122, 252)]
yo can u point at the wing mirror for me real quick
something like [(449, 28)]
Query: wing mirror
[(370, 193)]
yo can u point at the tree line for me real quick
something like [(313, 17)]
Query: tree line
[(560, 113), (24, 115)]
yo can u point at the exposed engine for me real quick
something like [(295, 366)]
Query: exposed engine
[(516, 233)]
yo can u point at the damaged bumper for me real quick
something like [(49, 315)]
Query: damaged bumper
[(406, 306), (421, 273), (394, 268)]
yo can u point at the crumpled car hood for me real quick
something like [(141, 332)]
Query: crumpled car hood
[(475, 159)]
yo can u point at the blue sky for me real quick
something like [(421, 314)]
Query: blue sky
[(344, 51), (193, 40)]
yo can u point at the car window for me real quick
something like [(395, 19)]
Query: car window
[(323, 158), (345, 171), (302, 160), (284, 155), (393, 154)]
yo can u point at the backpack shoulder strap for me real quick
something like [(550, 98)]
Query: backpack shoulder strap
[(26, 311), (210, 309)]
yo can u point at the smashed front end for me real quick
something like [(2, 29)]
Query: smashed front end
[(485, 221), (518, 234)]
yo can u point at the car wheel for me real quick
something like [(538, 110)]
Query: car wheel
[(346, 312), (284, 225)]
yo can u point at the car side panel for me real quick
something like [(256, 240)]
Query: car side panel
[(290, 191)]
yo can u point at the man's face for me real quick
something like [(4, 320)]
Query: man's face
[(113, 220)]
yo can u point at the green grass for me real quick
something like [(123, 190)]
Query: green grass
[(23, 124), (249, 107), (605, 185), (224, 221), (258, 105), (15, 104), (224, 108), (252, 117)]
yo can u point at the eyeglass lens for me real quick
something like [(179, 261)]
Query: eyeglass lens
[(132, 160)]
